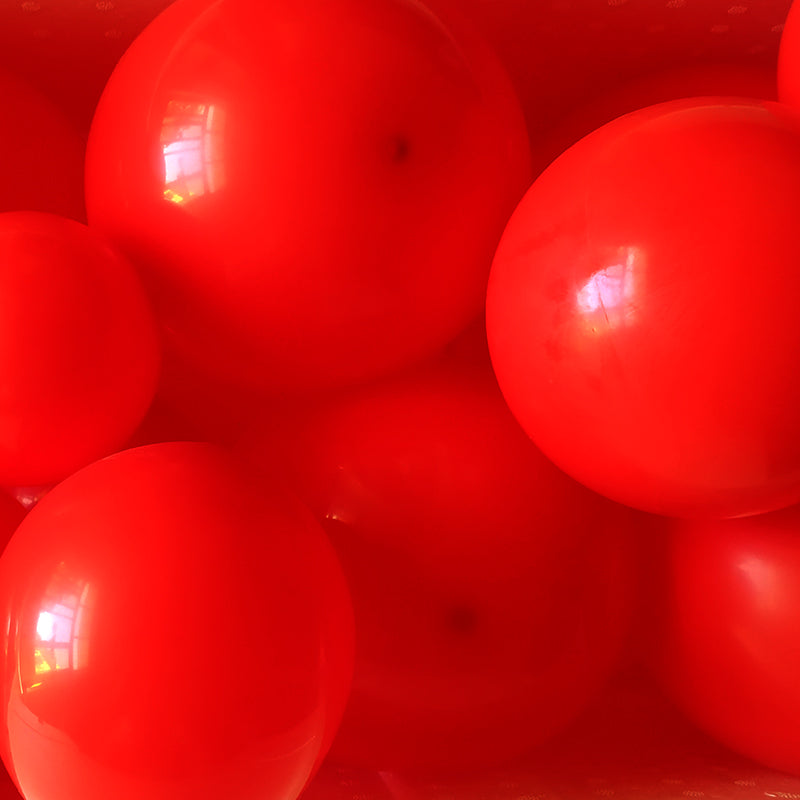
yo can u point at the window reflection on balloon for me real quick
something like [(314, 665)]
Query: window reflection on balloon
[(191, 140), (60, 640), (611, 291)]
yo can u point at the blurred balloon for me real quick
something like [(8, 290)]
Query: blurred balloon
[(734, 80), (492, 594), (11, 514), (42, 153), (78, 348)]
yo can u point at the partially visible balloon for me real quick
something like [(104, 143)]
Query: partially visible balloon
[(789, 59), (79, 350), (492, 594), (728, 648), (42, 153), (11, 514), (678, 83)]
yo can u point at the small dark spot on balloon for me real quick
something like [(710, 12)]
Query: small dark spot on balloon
[(401, 149), (462, 619)]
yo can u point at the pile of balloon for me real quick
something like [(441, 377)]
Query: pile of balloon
[(345, 425)]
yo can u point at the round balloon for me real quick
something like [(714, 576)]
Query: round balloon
[(78, 348), (492, 594), (641, 311), (314, 191), (728, 646), (174, 632)]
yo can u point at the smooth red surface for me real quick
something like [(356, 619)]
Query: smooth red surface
[(78, 348), (42, 153), (701, 80), (642, 309), (175, 632), (11, 514), (729, 649), (314, 191), (492, 594), (789, 59)]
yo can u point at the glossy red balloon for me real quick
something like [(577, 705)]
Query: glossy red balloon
[(642, 309), (174, 631), (729, 647), (789, 59), (42, 153), (491, 593), (315, 191), (700, 80), (78, 348)]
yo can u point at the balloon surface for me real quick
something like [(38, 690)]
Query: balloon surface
[(789, 59), (642, 308), (729, 650), (174, 631), (313, 191), (492, 594), (42, 153), (79, 348)]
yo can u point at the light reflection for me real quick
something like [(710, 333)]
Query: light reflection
[(763, 581), (61, 638), (611, 291), (191, 142)]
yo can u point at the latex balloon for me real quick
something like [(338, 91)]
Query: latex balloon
[(11, 514), (78, 348), (729, 651), (174, 632), (492, 594), (42, 153), (629, 333), (702, 80), (789, 59), (314, 191)]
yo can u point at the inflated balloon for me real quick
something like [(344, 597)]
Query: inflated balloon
[(491, 593), (729, 650), (789, 59), (678, 83), (78, 348), (11, 514), (642, 309), (314, 191), (42, 153), (174, 632)]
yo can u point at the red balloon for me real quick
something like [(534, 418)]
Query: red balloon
[(789, 59), (174, 631), (314, 191), (729, 647), (642, 309), (78, 349), (11, 514), (703, 80), (491, 593), (42, 154)]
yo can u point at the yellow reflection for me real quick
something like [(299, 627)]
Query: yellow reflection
[(609, 294), (191, 143), (62, 625)]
